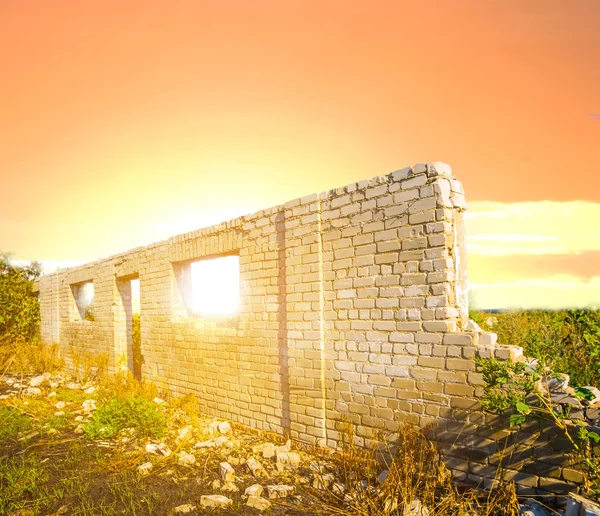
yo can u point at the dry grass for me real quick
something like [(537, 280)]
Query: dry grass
[(29, 358), (417, 483)]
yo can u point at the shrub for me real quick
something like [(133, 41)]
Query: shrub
[(567, 340), (521, 390), (19, 306), (119, 413)]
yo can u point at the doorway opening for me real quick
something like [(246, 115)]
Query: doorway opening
[(129, 329)]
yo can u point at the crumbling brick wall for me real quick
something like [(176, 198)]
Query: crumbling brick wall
[(353, 307)]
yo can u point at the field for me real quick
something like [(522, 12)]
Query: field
[(72, 445)]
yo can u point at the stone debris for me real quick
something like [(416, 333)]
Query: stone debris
[(158, 401), (78, 429), (184, 509), (596, 393), (578, 505), (185, 459), (164, 449), (221, 440), (38, 380), (28, 436), (316, 467), (205, 444), (533, 508), (226, 472), (287, 460), (215, 501), (254, 490), (89, 405), (267, 449), (255, 467), (258, 503), (281, 491), (285, 448), (52, 394), (73, 386), (323, 481), (558, 384), (144, 469), (224, 427), (158, 449), (90, 390), (60, 405), (415, 508), (59, 413), (230, 487), (184, 434), (383, 476), (338, 488), (33, 391)]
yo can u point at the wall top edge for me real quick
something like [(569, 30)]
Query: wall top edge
[(433, 170)]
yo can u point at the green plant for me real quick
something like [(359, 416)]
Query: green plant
[(19, 306), (13, 422), (120, 413), (522, 391), (566, 340)]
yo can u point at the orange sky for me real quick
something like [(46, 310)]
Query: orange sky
[(125, 122)]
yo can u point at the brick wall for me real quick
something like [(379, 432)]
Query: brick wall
[(353, 307)]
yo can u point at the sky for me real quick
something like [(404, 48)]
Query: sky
[(123, 123)]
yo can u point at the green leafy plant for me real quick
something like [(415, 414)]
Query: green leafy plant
[(522, 391), (119, 413), (19, 306), (566, 340)]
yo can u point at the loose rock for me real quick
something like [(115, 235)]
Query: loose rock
[(230, 487), (38, 380), (226, 472), (224, 427), (255, 467), (184, 434), (184, 509), (280, 491), (144, 469), (254, 490), (215, 501), (258, 503), (185, 459)]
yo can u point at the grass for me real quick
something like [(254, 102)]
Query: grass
[(131, 412), (417, 477), (22, 483), (567, 340), (13, 423)]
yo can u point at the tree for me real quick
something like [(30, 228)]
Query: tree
[(19, 305)]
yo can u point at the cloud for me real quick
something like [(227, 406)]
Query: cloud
[(537, 228), (556, 292), (594, 115)]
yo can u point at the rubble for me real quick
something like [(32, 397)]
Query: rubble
[(226, 472), (144, 469), (258, 503), (215, 501)]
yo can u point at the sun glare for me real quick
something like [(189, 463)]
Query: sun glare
[(216, 286)]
